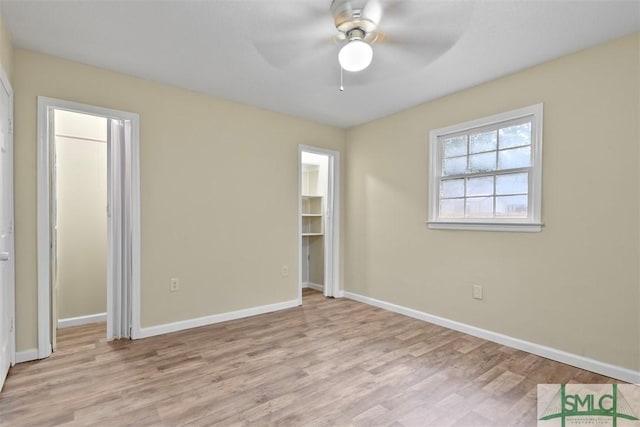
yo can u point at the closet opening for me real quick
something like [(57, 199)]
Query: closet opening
[(79, 220), (318, 220), (88, 220)]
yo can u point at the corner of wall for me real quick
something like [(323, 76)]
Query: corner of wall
[(6, 49)]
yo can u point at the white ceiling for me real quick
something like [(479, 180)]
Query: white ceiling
[(280, 55)]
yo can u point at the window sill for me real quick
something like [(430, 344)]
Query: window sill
[(486, 226)]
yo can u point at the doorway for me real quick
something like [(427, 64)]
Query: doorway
[(113, 142), (318, 220), (7, 259), (79, 220)]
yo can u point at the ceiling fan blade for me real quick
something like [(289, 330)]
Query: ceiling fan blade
[(392, 60), (414, 34), (419, 39), (413, 55), (408, 15), (291, 53), (372, 11), (282, 32)]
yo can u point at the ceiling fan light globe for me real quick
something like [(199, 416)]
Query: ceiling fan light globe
[(355, 56)]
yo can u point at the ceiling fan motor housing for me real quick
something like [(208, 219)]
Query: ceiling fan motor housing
[(350, 22)]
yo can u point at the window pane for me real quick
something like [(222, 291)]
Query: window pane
[(482, 162), (480, 142), (456, 146), (514, 158), (481, 186), (454, 166), (479, 207), (452, 208), (515, 136), (512, 206), (452, 188), (513, 183)]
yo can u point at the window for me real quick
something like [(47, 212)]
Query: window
[(486, 174)]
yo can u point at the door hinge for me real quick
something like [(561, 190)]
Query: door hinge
[(11, 326), (10, 125)]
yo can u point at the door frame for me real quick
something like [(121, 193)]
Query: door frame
[(4, 81), (332, 222), (46, 104)]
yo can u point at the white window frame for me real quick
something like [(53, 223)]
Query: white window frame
[(533, 221)]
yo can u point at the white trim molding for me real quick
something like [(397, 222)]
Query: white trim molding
[(532, 222), (27, 355), (45, 106), (332, 221), (525, 228), (82, 320), (11, 244), (314, 286), (578, 361), (214, 318)]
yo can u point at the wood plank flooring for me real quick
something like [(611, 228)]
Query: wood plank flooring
[(331, 362)]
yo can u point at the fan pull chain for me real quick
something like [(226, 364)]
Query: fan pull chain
[(341, 85)]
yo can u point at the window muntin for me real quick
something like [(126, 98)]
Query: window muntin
[(487, 171)]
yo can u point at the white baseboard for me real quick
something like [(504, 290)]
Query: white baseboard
[(82, 320), (313, 286), (27, 355), (582, 362), (215, 318)]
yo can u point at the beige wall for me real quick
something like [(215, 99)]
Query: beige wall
[(6, 49), (201, 159), (316, 259), (81, 181), (575, 285)]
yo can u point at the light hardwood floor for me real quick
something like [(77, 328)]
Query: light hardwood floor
[(327, 363)]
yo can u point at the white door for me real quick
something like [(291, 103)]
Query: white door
[(328, 232), (119, 226), (6, 236)]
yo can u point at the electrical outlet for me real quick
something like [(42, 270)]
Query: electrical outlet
[(477, 291), (285, 270), (175, 285)]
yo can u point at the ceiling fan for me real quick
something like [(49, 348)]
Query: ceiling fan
[(380, 36), (358, 26)]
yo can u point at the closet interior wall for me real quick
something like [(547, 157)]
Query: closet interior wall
[(314, 192)]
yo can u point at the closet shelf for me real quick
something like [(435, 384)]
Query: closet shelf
[(311, 213)]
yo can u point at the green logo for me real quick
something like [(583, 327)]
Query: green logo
[(612, 405)]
